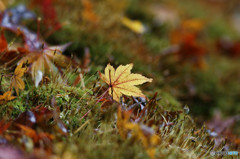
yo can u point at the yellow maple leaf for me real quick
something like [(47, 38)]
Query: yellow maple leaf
[(122, 81), (134, 25), (122, 120), (7, 96), (16, 80)]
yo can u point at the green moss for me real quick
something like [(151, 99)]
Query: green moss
[(155, 43), (218, 28), (93, 132), (169, 102)]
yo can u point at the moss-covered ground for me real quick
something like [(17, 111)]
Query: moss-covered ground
[(189, 48)]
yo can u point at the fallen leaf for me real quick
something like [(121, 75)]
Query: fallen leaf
[(8, 57), (237, 141), (134, 25), (3, 43), (2, 6), (48, 60), (221, 126), (29, 132), (11, 20), (193, 25), (140, 132), (122, 119), (229, 47), (36, 137), (4, 126), (16, 80), (122, 81), (188, 49), (26, 118), (88, 13), (7, 96)]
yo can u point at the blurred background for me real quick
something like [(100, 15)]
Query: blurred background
[(190, 48)]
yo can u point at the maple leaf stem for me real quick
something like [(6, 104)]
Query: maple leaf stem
[(110, 86), (95, 104), (102, 96), (86, 114)]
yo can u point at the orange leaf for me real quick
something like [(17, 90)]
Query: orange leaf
[(122, 119), (4, 126), (88, 12), (29, 132), (194, 25), (6, 97), (16, 80)]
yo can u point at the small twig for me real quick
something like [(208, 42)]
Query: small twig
[(82, 81), (95, 104), (83, 125)]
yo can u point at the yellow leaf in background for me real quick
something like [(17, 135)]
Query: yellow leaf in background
[(122, 81), (143, 133), (122, 120), (16, 80), (7, 96), (194, 25), (88, 12), (151, 152), (2, 6), (137, 132), (134, 25)]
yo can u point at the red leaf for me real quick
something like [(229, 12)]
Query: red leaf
[(3, 43), (229, 47), (4, 126), (26, 118), (49, 13)]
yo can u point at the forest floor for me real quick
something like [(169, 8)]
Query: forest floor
[(69, 71)]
